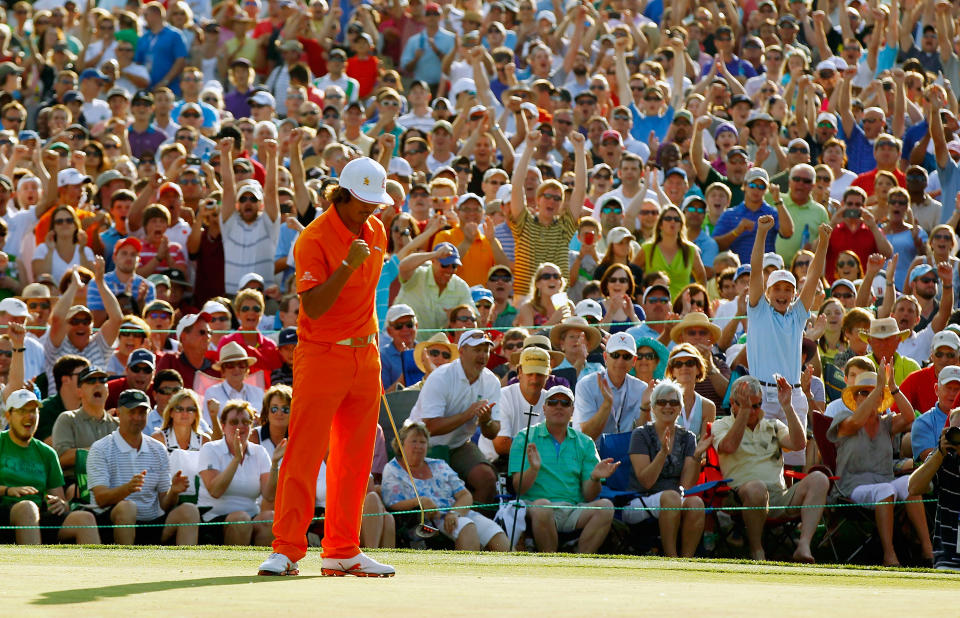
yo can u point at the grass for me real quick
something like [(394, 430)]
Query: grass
[(208, 581)]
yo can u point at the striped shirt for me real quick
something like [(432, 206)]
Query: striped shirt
[(248, 248), (97, 351), (537, 243), (112, 462), (947, 489)]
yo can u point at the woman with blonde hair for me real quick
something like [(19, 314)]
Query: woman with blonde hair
[(671, 252), (248, 306), (274, 417), (181, 434), (540, 310), (686, 366), (942, 247)]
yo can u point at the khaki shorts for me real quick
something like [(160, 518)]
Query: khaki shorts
[(777, 497), (565, 514), (465, 457)]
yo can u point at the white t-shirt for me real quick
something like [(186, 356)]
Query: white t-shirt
[(58, 268), (133, 69), (95, 47), (513, 416), (244, 488), (17, 225), (918, 345), (447, 393)]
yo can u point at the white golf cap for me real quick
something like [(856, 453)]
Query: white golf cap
[(189, 320), (757, 173), (253, 187), (366, 180), (263, 98), (71, 176), (950, 373), (473, 338), (943, 338), (618, 234), (827, 117), (772, 259), (20, 398), (503, 193), (781, 275), (211, 307), (547, 15), (466, 197), (495, 171), (464, 84), (559, 389), (400, 167), (396, 312), (247, 278), (15, 307), (589, 307), (622, 342)]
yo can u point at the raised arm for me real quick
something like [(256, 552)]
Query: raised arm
[(58, 317), (415, 260), (580, 171), (939, 321), (700, 165), (271, 201), (517, 194), (809, 291), (301, 194), (764, 225), (229, 203)]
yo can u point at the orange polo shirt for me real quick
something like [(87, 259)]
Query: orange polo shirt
[(477, 261), (319, 251)]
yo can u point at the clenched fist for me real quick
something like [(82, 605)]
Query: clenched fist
[(358, 253)]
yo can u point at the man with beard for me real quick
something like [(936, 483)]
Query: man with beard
[(122, 280), (80, 428)]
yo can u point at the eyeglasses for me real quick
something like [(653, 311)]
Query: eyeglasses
[(84, 321), (802, 180), (690, 362), (757, 185), (553, 197), (278, 409), (439, 353), (248, 199), (237, 422), (846, 263), (144, 369), (169, 390), (647, 356), (672, 219), (246, 308), (159, 315), (96, 380), (618, 280), (555, 401), (621, 355), (663, 403), (546, 276), (658, 300)]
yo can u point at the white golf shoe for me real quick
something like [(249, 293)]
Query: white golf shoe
[(278, 564), (360, 565)]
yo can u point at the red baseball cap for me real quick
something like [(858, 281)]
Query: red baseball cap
[(170, 186), (611, 134), (129, 241)]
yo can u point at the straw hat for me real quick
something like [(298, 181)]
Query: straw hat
[(883, 328), (437, 339), (539, 341), (866, 381), (233, 352), (692, 320), (575, 323)]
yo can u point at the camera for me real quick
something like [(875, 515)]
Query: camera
[(953, 436)]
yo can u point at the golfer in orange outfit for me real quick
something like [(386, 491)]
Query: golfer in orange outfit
[(336, 378)]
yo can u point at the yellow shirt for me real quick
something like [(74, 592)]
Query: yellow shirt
[(476, 262), (759, 457)]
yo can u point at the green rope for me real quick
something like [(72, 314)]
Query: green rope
[(497, 505)]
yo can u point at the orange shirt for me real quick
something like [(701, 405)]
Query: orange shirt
[(320, 251), (477, 261), (43, 226)]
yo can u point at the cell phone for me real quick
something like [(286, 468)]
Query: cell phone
[(851, 213), (589, 238), (194, 161)]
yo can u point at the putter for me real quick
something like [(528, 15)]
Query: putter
[(423, 529)]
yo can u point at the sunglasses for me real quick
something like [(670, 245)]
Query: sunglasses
[(45, 306), (554, 401), (553, 197), (927, 279), (139, 334), (158, 315), (144, 369), (461, 169), (439, 353), (618, 280), (945, 354), (189, 115), (897, 202), (546, 276), (513, 346), (802, 180), (169, 390), (96, 380), (464, 318), (649, 213), (663, 403), (188, 410), (690, 362), (403, 325), (673, 219), (647, 356), (846, 263), (607, 210), (757, 185), (283, 409), (621, 355), (801, 264), (248, 199), (947, 237), (246, 308), (236, 422), (843, 295), (658, 300), (84, 321), (62, 221), (824, 179)]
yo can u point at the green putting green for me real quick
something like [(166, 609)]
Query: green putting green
[(107, 581)]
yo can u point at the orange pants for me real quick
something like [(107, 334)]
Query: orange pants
[(336, 404)]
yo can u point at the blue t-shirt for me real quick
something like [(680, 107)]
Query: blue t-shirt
[(95, 302), (157, 52), (708, 247), (110, 238), (766, 324), (642, 125), (949, 185), (429, 68), (860, 157), (743, 244), (925, 432), (284, 242), (391, 270), (902, 243)]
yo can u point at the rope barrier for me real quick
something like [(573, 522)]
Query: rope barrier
[(512, 502)]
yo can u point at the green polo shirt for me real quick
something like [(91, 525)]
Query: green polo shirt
[(506, 317), (809, 216), (902, 366), (564, 465)]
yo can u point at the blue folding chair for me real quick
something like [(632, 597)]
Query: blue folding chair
[(617, 487)]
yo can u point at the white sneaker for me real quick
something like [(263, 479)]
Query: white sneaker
[(360, 565), (278, 564)]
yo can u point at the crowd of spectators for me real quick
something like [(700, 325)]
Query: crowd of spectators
[(704, 224)]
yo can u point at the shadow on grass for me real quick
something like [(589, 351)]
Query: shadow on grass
[(85, 595)]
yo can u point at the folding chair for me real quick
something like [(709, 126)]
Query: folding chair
[(637, 538), (82, 496), (837, 520)]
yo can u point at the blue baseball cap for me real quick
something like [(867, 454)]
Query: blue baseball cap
[(919, 271), (453, 258), (28, 135), (675, 171), (478, 293), (287, 336), (92, 73), (71, 96), (743, 269), (142, 356)]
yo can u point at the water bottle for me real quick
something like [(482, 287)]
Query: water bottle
[(805, 236)]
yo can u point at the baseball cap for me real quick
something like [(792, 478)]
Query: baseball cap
[(159, 279), (535, 360), (737, 150), (142, 356), (252, 187), (132, 399), (618, 234), (950, 373), (559, 389), (189, 320), (675, 171), (464, 84), (757, 173), (366, 180), (946, 338), (398, 311), (73, 96), (211, 306), (840, 283), (453, 258), (473, 338), (446, 126), (611, 134), (118, 92), (249, 277), (466, 197), (781, 275), (158, 304), (27, 135), (287, 336), (622, 342), (262, 98), (172, 186), (772, 259), (178, 276), (743, 269), (21, 398), (71, 176), (690, 199), (478, 293), (495, 171), (143, 95), (110, 176), (15, 307), (919, 271), (400, 167), (589, 307), (92, 74), (740, 98), (90, 372), (655, 286)]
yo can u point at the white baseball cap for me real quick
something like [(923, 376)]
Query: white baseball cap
[(559, 389), (503, 193), (263, 98), (466, 197), (15, 307), (71, 176), (189, 320), (943, 338), (622, 342), (772, 259), (473, 338), (590, 307), (757, 173), (950, 373), (247, 278), (396, 312), (781, 275), (400, 167), (21, 398), (366, 180), (251, 186), (211, 307), (464, 84)]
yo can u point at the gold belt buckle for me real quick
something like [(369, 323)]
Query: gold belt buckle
[(357, 342)]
